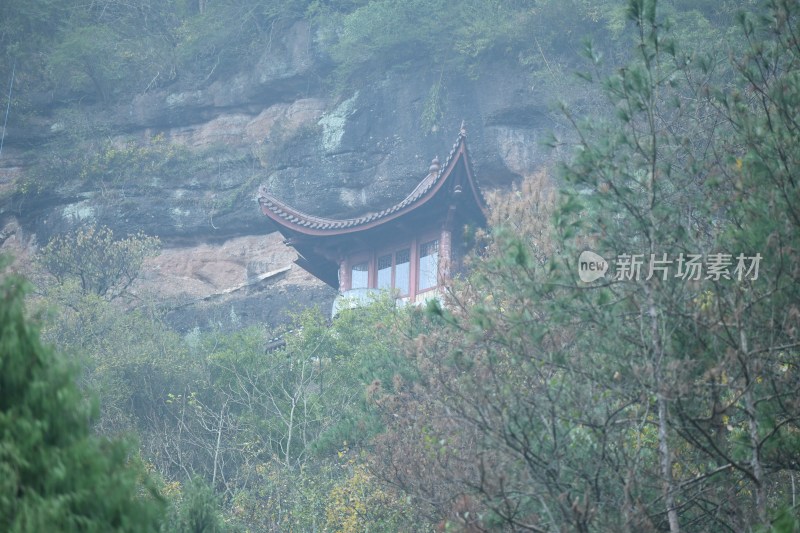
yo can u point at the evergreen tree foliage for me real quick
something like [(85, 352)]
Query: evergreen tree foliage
[(197, 511), (55, 475), (647, 400)]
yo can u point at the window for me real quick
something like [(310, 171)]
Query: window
[(428, 265), (393, 272), (385, 271), (360, 276), (402, 261)]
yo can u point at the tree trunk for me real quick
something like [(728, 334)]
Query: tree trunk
[(668, 483), (753, 430)]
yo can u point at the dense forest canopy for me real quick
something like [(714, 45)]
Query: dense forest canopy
[(528, 399)]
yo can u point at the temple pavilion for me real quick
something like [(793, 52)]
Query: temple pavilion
[(410, 249)]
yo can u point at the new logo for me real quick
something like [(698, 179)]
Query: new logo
[(591, 266)]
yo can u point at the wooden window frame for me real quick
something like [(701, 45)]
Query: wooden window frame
[(357, 259), (393, 251), (413, 246), (437, 282)]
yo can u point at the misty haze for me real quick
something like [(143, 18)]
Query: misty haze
[(400, 266)]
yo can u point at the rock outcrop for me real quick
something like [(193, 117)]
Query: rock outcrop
[(275, 125)]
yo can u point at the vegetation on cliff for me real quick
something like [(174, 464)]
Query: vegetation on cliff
[(113, 50)]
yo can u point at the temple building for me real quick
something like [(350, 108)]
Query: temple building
[(410, 249)]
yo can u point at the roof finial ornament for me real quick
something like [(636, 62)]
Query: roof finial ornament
[(435, 165), (463, 131)]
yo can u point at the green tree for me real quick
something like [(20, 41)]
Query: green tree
[(638, 402), (278, 429), (360, 503), (755, 323), (55, 474), (198, 510), (102, 264), (129, 357)]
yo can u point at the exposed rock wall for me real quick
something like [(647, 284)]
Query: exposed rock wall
[(278, 125), (241, 281)]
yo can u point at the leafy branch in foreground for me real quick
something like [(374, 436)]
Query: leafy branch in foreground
[(643, 401), (54, 473)]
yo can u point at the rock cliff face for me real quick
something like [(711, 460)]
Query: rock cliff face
[(278, 125)]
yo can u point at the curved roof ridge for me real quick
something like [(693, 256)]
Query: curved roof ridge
[(285, 211), (284, 214)]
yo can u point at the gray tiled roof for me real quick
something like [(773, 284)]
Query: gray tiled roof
[(281, 211)]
